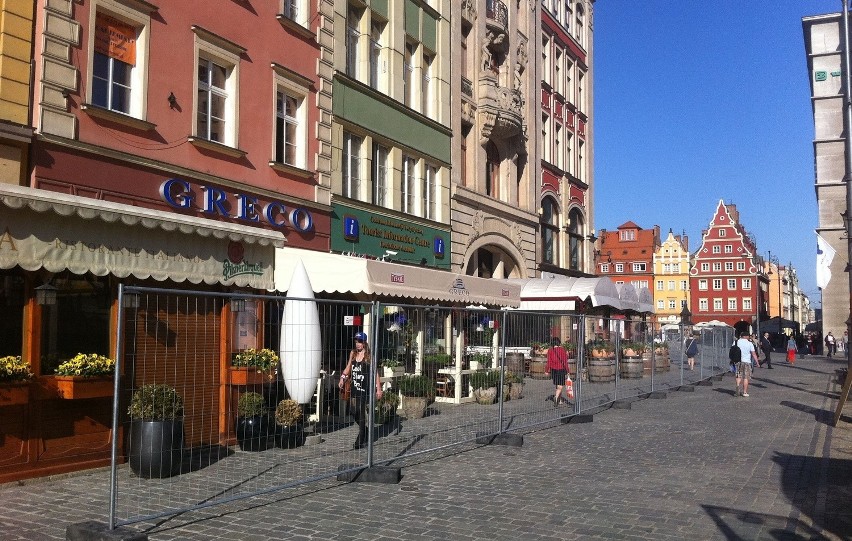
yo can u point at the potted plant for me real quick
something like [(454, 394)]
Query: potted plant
[(252, 424), (436, 361), (516, 385), (156, 431), (253, 367), (15, 375), (288, 424), (479, 360), (630, 348), (484, 385), (539, 349), (86, 375), (417, 392), (600, 348), (570, 348), (386, 407), (392, 367)]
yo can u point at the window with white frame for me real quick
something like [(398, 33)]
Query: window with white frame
[(746, 304), (569, 79), (639, 267), (729, 249), (557, 145), (295, 10), (216, 98), (426, 99), (702, 305), (717, 284), (353, 32), (729, 265), (581, 160), (746, 283), (732, 305), (676, 268), (717, 266), (409, 184), (672, 304), (643, 283), (351, 166), (579, 32), (732, 284), (740, 265), (627, 234), (545, 137), (430, 192), (723, 232), (705, 267), (545, 65), (604, 267), (290, 137), (661, 304), (569, 14), (118, 57), (683, 303), (619, 267), (671, 285), (683, 285), (667, 268), (581, 83), (717, 249), (408, 73), (376, 33), (569, 141), (659, 285), (702, 284), (380, 175), (717, 305), (557, 71)]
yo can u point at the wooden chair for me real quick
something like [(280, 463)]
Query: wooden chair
[(444, 386)]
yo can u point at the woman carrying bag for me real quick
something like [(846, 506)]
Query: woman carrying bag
[(357, 374), (557, 367)]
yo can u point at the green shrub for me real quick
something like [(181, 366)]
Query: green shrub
[(416, 385), (484, 379), (288, 413), (512, 377), (250, 405), (439, 360), (155, 402)]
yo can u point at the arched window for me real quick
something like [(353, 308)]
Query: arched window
[(549, 231), (492, 170), (576, 226)]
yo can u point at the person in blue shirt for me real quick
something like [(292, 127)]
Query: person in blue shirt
[(747, 355)]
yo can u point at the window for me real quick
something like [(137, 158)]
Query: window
[(352, 34), (702, 305), (667, 268), (627, 234), (729, 265), (702, 284), (426, 86), (659, 285), (289, 128), (717, 284), (729, 249), (672, 304), (545, 137), (380, 175), (705, 267), (643, 283), (545, 65), (723, 232), (569, 14), (492, 170), (639, 267), (407, 72), (661, 304), (676, 268), (430, 190), (740, 265), (576, 227), (557, 145), (746, 304), (604, 267), (717, 266), (376, 30), (732, 284), (683, 303), (717, 249), (683, 285), (295, 11), (557, 71), (550, 231), (409, 184), (581, 161), (619, 267), (746, 283), (578, 30), (732, 305), (351, 165), (671, 285), (118, 59), (213, 101), (717, 305)]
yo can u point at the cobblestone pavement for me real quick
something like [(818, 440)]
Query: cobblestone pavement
[(695, 465)]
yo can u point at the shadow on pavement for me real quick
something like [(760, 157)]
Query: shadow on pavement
[(737, 524), (825, 417)]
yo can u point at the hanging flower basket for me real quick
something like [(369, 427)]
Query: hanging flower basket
[(14, 394), (79, 387), (247, 376)]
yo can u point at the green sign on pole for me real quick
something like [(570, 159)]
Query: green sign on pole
[(820, 76)]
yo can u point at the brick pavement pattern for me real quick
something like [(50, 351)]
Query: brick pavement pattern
[(697, 465)]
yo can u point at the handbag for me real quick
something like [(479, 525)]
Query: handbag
[(346, 391), (569, 388)]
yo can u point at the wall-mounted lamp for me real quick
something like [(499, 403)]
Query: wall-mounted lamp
[(46, 295), (608, 255), (238, 305), (592, 238), (172, 100)]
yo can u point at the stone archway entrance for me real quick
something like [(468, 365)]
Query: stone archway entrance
[(491, 261)]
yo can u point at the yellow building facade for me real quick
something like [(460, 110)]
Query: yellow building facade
[(16, 30), (671, 278)]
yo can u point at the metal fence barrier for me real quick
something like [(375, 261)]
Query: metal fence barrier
[(483, 373)]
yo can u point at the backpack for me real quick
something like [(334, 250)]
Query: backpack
[(692, 348), (734, 354)]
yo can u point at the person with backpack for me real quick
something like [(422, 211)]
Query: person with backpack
[(691, 351), (744, 367)]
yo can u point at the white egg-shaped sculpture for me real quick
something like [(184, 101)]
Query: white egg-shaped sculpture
[(301, 347)]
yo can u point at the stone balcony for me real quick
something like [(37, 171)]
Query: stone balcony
[(500, 108), (496, 15)]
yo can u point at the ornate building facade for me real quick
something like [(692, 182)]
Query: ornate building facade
[(671, 278)]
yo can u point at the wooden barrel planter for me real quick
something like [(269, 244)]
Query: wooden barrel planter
[(515, 363), (631, 368), (572, 366), (661, 363), (647, 362), (538, 367), (601, 370)]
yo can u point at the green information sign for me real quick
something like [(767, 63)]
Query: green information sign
[(362, 232), (820, 76)]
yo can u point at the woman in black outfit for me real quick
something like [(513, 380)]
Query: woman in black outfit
[(358, 368)]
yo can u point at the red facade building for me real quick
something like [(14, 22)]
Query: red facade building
[(626, 255), (726, 279)]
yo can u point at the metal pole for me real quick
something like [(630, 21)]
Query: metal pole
[(119, 343), (847, 79)]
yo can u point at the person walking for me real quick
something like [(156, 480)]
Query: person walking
[(830, 344), (747, 355), (792, 346), (766, 348), (845, 341), (358, 368), (557, 367), (691, 351)]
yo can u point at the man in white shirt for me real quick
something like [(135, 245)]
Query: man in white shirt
[(747, 355)]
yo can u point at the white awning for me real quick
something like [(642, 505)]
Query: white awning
[(43, 229), (646, 300), (628, 296), (562, 293), (333, 273)]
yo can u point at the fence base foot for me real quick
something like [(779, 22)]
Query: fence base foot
[(313, 440), (376, 474), (686, 389), (510, 440), (621, 405), (98, 531), (576, 419), (657, 394), (705, 383), (718, 377)]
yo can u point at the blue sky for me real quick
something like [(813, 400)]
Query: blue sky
[(700, 101)]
